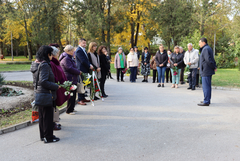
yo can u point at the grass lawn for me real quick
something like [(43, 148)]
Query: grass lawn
[(14, 67), (16, 58), (226, 78)]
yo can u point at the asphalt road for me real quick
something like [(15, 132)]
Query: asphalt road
[(138, 122)]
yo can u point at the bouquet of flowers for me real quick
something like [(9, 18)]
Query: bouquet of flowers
[(67, 85), (175, 70), (92, 82), (125, 70)]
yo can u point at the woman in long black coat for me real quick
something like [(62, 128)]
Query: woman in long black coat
[(104, 65), (145, 64)]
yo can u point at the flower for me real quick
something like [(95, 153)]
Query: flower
[(73, 87), (66, 93), (175, 73), (95, 79), (87, 82), (71, 94)]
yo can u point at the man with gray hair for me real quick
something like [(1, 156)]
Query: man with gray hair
[(191, 60)]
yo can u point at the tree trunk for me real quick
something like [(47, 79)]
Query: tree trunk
[(1, 48), (25, 51), (108, 28), (132, 32), (137, 31), (26, 32)]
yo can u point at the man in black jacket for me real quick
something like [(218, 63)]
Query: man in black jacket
[(207, 69)]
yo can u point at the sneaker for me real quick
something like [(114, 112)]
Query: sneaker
[(162, 85), (74, 110), (159, 85), (189, 88), (144, 80)]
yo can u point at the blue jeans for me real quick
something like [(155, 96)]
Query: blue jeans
[(175, 78), (192, 78), (161, 74), (133, 74), (207, 89)]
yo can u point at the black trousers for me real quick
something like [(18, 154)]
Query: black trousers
[(168, 75), (155, 75), (102, 82), (46, 122), (182, 75), (197, 80), (119, 71), (71, 102)]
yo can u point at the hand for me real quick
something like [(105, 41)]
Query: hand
[(91, 67), (198, 68), (80, 73), (189, 64), (59, 87), (161, 65), (145, 63), (215, 69), (175, 64), (98, 69)]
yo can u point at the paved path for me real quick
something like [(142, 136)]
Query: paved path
[(138, 122), (20, 76)]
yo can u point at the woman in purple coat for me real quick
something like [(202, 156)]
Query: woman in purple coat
[(69, 67)]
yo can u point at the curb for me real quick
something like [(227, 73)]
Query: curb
[(24, 124), (15, 71), (225, 88)]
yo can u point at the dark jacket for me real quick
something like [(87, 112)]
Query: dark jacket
[(83, 63), (46, 82), (161, 58), (176, 58), (109, 61), (207, 62), (138, 54), (183, 64), (69, 67), (104, 64), (61, 78), (147, 60)]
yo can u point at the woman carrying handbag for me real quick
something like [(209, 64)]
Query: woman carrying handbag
[(45, 92)]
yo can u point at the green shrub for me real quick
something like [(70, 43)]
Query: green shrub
[(19, 62)]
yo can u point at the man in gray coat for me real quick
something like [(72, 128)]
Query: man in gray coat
[(191, 60)]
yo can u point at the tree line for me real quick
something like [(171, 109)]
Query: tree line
[(126, 23)]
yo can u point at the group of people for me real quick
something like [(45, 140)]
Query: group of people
[(163, 63), (51, 68)]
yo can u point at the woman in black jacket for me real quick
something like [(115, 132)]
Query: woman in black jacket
[(145, 64), (45, 85), (176, 60), (104, 65), (161, 59)]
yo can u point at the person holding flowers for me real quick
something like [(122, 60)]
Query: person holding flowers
[(176, 60), (61, 78), (72, 73)]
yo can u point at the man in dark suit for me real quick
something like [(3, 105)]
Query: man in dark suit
[(83, 65), (207, 69)]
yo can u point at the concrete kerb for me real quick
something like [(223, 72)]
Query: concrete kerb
[(24, 124)]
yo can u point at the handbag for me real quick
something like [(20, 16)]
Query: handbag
[(55, 114), (80, 86), (43, 99)]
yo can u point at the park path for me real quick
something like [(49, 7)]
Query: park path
[(138, 122)]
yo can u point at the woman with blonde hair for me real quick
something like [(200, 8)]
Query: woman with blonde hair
[(94, 60), (176, 61)]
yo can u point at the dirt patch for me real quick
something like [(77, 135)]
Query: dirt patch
[(13, 102)]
